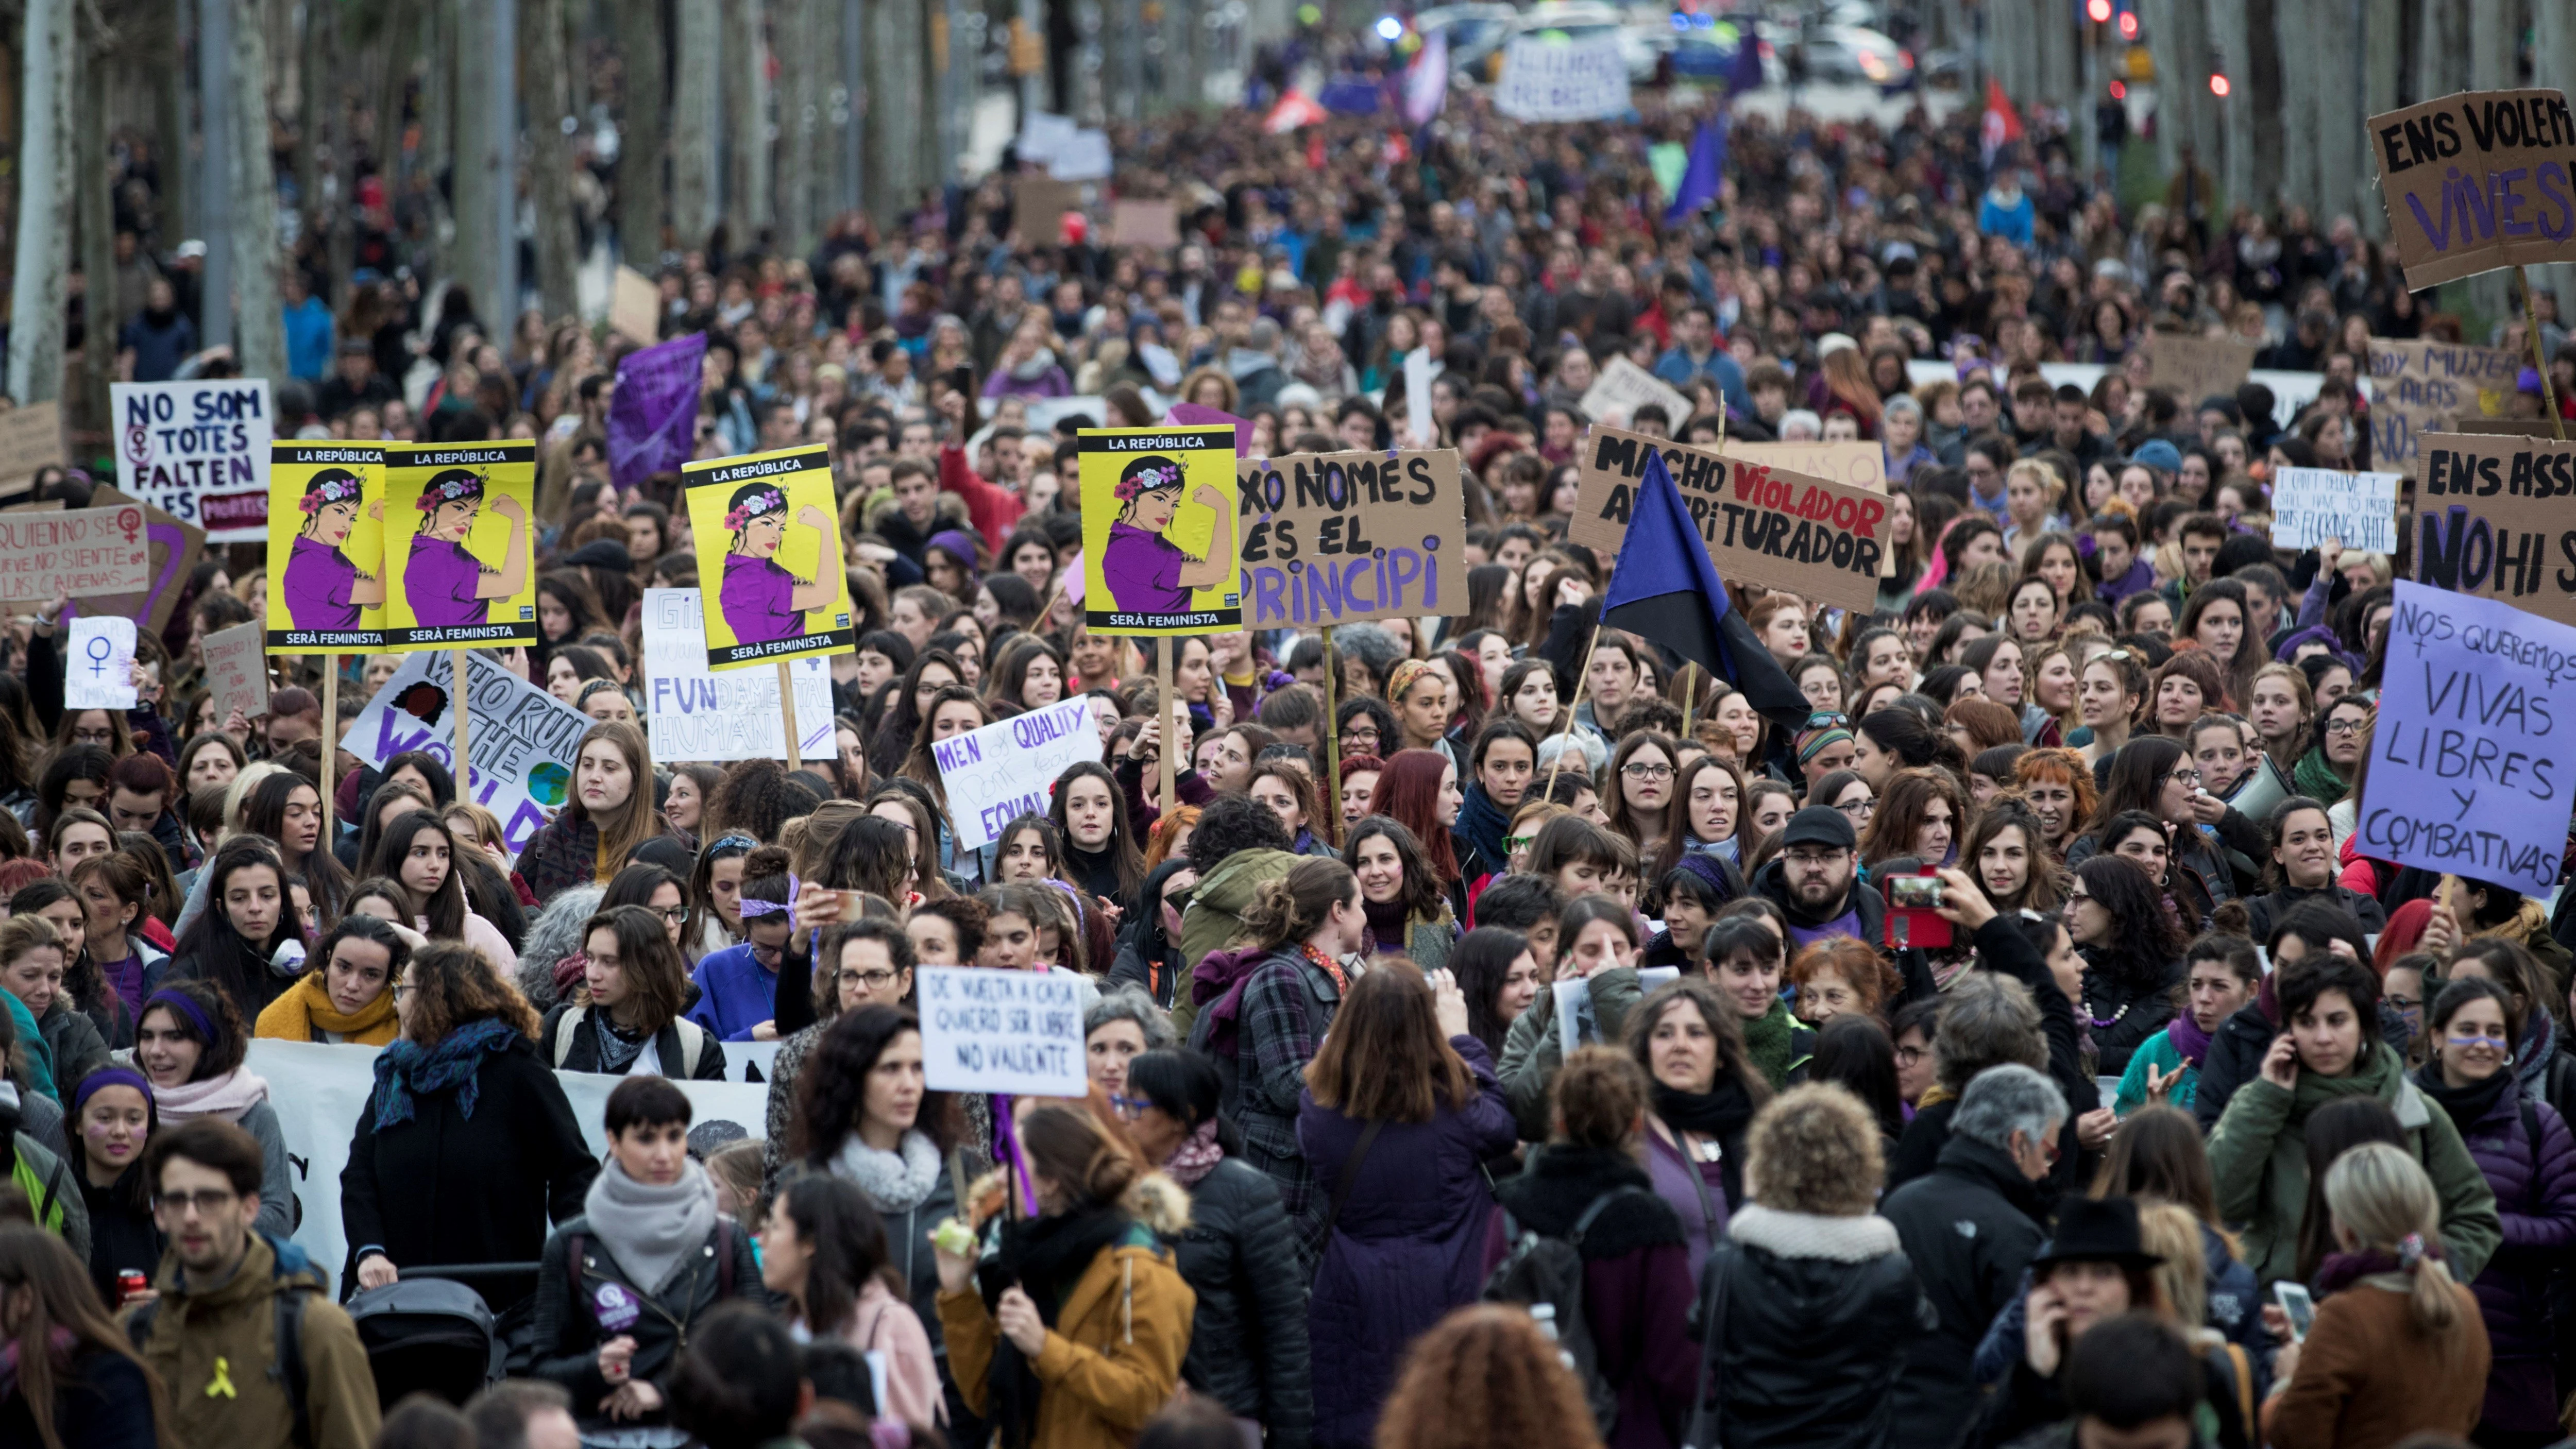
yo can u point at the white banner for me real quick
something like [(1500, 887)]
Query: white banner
[(694, 713), (522, 738), (1563, 80), (1003, 771), (198, 450), (319, 1091), (1628, 387), (1018, 1032), (98, 663), (2311, 505)]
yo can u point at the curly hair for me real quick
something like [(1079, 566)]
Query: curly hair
[(832, 1089), (451, 987), (2058, 765), (1863, 970), (755, 798), (2144, 943), (1485, 1375), (1815, 1149)]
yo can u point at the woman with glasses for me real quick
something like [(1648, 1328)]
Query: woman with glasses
[(1641, 791), (2154, 775), (2132, 953), (2329, 769), (866, 963), (625, 1018)]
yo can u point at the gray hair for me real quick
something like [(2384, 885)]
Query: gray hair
[(1129, 1004), (2008, 1099), (1986, 1020), (1903, 404), (1369, 644)]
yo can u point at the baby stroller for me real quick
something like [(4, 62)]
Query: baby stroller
[(427, 1335)]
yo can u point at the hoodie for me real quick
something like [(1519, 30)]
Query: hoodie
[(1215, 915)]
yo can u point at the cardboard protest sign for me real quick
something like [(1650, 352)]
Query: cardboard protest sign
[(2478, 180), (1627, 387), (1861, 465), (523, 738), (31, 437), (767, 533), (694, 713), (326, 547), (1557, 79), (2193, 368), (459, 558), (996, 774), (1821, 541), (1038, 205), (76, 551), (1335, 538), (198, 450), (1158, 530), (2311, 505), (2464, 770), (98, 663), (237, 670), (2427, 386), (1018, 1032), (171, 550), (1154, 224), (2491, 518), (635, 306)]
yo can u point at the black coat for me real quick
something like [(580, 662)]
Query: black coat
[(2235, 1057), (568, 1330), (2136, 1012), (1969, 1229), (1809, 1346), (101, 1403), (2002, 948), (1248, 1346), (446, 1188), (122, 1233), (2267, 909)]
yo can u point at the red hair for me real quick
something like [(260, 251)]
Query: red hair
[(1408, 792)]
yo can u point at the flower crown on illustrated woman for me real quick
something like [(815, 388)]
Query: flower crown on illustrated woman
[(1146, 480), (334, 485), (758, 505), (456, 488)]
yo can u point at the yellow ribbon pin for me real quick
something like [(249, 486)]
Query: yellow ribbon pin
[(223, 1382)]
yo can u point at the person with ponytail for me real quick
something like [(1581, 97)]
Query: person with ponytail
[(2397, 1348), (1893, 739)]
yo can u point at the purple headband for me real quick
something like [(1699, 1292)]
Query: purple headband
[(752, 908), (178, 1002), (105, 1077)]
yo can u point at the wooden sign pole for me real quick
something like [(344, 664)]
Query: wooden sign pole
[(1164, 649), (1332, 733), (2540, 359), (787, 715), (330, 738), (459, 690)]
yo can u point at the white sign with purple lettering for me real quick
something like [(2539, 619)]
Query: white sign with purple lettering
[(1003, 771)]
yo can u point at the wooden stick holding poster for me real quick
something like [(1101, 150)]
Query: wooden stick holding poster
[(787, 716), (460, 682), (1163, 700), (1332, 730), (330, 738), (768, 546)]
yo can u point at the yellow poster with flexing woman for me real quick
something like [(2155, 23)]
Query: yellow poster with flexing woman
[(459, 557), (1158, 534), (768, 545), (326, 547)]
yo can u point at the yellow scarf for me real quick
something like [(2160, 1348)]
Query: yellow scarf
[(305, 1011)]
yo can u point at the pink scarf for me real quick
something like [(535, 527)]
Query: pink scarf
[(227, 1096), (1197, 1157)]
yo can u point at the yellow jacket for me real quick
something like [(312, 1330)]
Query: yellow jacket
[(304, 1011)]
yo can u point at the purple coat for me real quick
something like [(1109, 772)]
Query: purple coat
[(1408, 1248), (2535, 1194)]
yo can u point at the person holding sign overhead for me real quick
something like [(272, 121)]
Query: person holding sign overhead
[(447, 586), (762, 601), (1145, 571), (325, 588)]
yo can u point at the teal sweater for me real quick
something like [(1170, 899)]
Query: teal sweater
[(2158, 1050)]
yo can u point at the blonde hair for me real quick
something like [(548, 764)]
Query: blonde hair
[(2172, 1233), (2382, 1200), (243, 782)]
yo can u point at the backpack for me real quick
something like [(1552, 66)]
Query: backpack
[(1546, 1275), (693, 1042), (289, 1371)]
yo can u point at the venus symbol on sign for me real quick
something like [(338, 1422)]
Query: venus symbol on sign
[(99, 648)]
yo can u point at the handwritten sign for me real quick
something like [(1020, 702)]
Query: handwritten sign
[(198, 450), (2491, 518), (2193, 368), (98, 663), (695, 713), (2464, 773), (75, 551), (1155, 224), (1018, 1032), (2430, 387), (1860, 465), (31, 437), (1626, 387), (2476, 181), (1335, 538), (1562, 80), (2311, 505), (1819, 540), (522, 738), (237, 670), (1007, 769), (171, 549)]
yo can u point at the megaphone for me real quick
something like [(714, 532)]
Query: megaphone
[(2263, 788)]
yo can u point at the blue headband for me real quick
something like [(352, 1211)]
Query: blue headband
[(91, 1085), (178, 1002)]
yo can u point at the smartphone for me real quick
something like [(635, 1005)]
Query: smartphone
[(1912, 921), (2295, 1302), (1915, 892)]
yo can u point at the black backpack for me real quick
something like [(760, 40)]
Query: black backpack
[(1545, 1275)]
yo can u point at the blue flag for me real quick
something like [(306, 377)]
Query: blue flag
[(1702, 174), (1665, 587)]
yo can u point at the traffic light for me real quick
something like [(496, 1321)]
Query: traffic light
[(2128, 25)]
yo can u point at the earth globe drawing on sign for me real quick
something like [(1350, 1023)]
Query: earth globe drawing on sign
[(548, 784)]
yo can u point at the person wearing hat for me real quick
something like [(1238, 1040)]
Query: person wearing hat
[(1815, 880), (446, 586), (325, 588), (1824, 746), (2094, 1267)]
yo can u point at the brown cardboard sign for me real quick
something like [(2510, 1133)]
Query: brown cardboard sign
[(237, 670), (635, 306), (31, 437), (1336, 538), (2427, 386), (80, 552), (2491, 517), (1145, 224), (2193, 368), (174, 548), (2476, 181), (1038, 205), (1862, 465), (1820, 540)]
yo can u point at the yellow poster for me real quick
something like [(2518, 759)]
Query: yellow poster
[(1158, 535), (460, 563), (768, 544), (326, 547)]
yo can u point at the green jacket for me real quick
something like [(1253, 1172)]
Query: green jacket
[(1532, 1053), (2258, 1155), (1215, 916), (214, 1349)]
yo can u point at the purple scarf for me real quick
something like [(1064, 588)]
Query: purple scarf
[(1196, 1157), (2188, 1038)]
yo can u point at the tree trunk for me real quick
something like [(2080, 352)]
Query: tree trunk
[(97, 228), (39, 281), (438, 150), (647, 129), (476, 265), (2342, 117), (893, 56), (171, 146), (2383, 49), (748, 200), (259, 323), (215, 22), (2297, 104), (546, 85), (801, 58), (696, 117), (2553, 65)]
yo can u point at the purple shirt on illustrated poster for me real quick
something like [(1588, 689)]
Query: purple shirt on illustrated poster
[(759, 600), (440, 581), (320, 582), (1142, 571)]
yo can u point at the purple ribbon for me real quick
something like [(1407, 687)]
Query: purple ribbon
[(1007, 1133), (752, 908), (179, 1002)]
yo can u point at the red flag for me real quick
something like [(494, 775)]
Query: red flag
[(2002, 124), (1295, 109)]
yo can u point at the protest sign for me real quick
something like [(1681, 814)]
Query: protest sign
[(635, 306), (1042, 134), (2194, 368), (326, 547), (1819, 540), (76, 551), (2491, 518), (237, 671), (1627, 387), (766, 532), (2478, 180), (2426, 386), (1154, 224), (1018, 1032), (1562, 80), (171, 551), (996, 774), (2311, 505), (1421, 430), (1086, 156), (1158, 530), (459, 558), (2465, 777), (198, 450), (1861, 465), (694, 713), (98, 663), (1038, 205), (523, 738), (1335, 538), (31, 437)]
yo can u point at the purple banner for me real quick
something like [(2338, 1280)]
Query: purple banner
[(653, 414)]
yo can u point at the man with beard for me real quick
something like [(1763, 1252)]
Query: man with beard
[(1815, 881)]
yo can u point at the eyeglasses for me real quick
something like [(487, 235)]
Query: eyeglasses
[(2343, 726), (1825, 719), (2187, 776), (1130, 1108), (1352, 737), (1907, 1056), (205, 1201), (1809, 859), (2400, 1003), (1516, 842), (671, 915), (874, 981), (401, 989), (1640, 770), (1860, 809), (2078, 895)]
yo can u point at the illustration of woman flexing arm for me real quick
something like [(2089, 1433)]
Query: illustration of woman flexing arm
[(1145, 572), (324, 588), (447, 586), (762, 601)]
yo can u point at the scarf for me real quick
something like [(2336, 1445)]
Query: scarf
[(59, 1342), (2339, 1271), (1046, 1258), (2467, 1105), (2539, 1048), (2316, 778), (227, 1096), (1386, 923), (650, 1229), (407, 1067), (1330, 967), (1481, 827), (1196, 1157), (1766, 1041), (1719, 1112), (892, 1182), (305, 1011), (617, 1050), (2189, 1041)]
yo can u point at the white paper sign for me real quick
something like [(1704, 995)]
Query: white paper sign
[(198, 450), (1417, 399), (1043, 134), (1003, 771), (1084, 156), (2311, 505), (694, 713), (1628, 387), (984, 1030), (98, 663), (1575, 1022), (522, 738), (1563, 80), (237, 670)]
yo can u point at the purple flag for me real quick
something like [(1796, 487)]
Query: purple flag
[(653, 414)]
